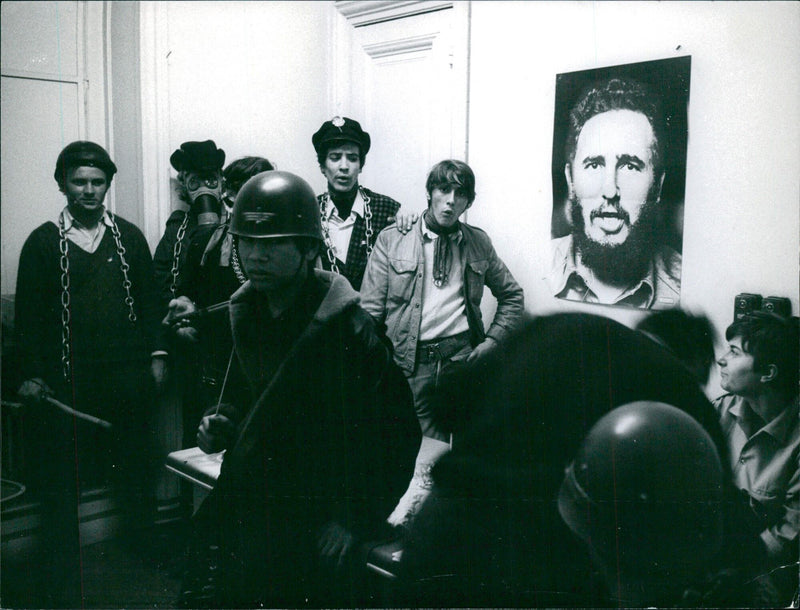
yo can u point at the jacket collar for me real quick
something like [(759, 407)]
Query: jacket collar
[(339, 295)]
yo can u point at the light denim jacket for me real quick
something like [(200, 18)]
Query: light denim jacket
[(392, 288)]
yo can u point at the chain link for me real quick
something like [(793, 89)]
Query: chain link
[(176, 255), (63, 246), (367, 221), (331, 251), (236, 263), (326, 234), (66, 333), (126, 283)]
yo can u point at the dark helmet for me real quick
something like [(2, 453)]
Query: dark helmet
[(645, 490), (83, 153), (276, 204)]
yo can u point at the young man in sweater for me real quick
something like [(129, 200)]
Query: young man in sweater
[(87, 331)]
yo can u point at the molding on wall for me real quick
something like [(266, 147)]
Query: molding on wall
[(368, 12), (155, 115), (413, 44)]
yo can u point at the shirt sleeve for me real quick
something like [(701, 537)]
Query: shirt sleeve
[(509, 295), (374, 287), (781, 538)]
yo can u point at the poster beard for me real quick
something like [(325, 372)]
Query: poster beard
[(620, 264)]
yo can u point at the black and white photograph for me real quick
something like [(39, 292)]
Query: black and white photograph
[(619, 170), (399, 304)]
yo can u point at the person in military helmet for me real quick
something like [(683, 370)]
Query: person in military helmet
[(352, 215), (88, 336), (317, 459), (490, 533), (644, 493)]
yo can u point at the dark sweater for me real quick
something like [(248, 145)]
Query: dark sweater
[(100, 328)]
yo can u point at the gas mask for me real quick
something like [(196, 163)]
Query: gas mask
[(204, 190)]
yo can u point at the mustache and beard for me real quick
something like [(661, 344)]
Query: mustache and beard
[(620, 264)]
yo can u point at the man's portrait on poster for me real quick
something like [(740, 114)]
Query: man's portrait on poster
[(618, 169)]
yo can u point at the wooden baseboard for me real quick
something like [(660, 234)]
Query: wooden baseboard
[(99, 515)]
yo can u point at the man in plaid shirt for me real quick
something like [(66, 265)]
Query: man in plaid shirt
[(352, 216)]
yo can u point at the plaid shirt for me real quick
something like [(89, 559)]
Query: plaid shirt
[(382, 208)]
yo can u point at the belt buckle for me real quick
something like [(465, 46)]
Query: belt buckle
[(432, 351)]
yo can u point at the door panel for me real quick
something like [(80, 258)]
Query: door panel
[(405, 81), (32, 133), (50, 48)]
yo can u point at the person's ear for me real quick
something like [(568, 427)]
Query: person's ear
[(771, 373), (312, 252)]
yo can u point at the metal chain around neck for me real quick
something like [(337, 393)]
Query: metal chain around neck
[(63, 246), (124, 267), (176, 255), (66, 329), (236, 263), (331, 251)]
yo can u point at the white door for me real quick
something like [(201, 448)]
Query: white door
[(401, 70), (52, 94)]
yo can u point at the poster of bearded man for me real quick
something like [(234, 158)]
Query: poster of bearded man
[(619, 168)]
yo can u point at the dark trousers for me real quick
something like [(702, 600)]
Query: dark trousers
[(66, 456), (434, 360)]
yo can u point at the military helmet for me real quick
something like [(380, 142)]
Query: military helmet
[(276, 204), (645, 489)]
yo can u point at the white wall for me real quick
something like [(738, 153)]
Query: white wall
[(252, 76), (742, 218)]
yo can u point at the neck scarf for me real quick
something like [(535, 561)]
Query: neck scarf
[(344, 201), (443, 247)]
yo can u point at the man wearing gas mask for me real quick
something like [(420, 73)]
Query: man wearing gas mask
[(211, 272), (213, 268), (199, 167)]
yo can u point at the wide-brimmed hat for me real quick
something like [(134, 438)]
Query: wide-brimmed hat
[(198, 157)]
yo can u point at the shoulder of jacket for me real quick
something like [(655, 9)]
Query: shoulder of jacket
[(384, 200), (477, 233), (390, 234)]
